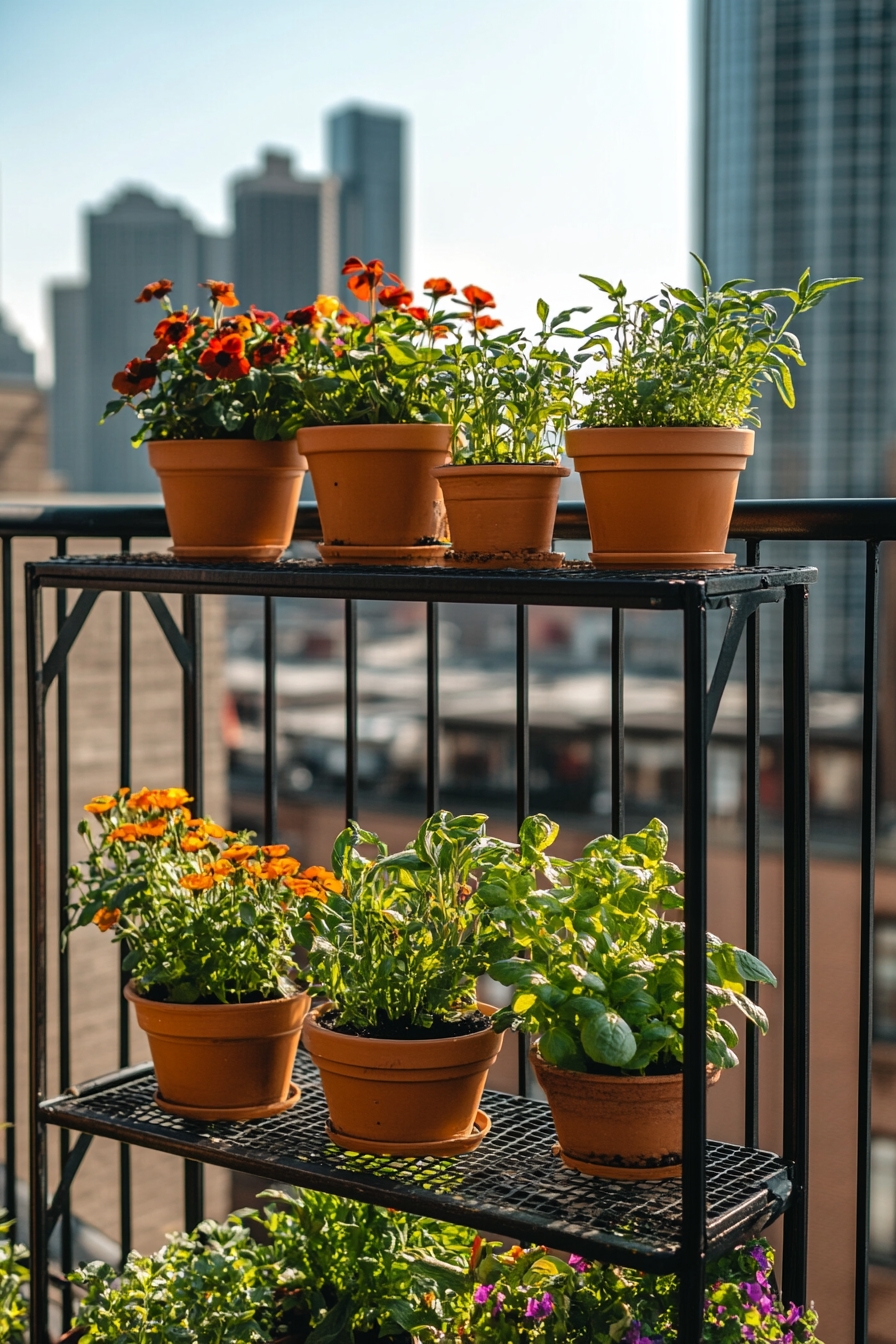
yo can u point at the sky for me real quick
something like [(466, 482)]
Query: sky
[(548, 137)]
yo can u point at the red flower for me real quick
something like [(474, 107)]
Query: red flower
[(138, 375), (157, 290), (478, 298), (438, 332), (439, 288), (346, 319), (221, 292), (486, 323), (395, 296), (364, 277), (420, 313), (302, 317), (269, 352), (259, 315), (174, 330), (223, 358)]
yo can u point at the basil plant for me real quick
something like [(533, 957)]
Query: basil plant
[(598, 972)]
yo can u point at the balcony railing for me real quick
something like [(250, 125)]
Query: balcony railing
[(870, 522)]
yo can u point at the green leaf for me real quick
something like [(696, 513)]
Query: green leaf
[(247, 914), (542, 309), (335, 1328), (511, 971), (601, 284), (751, 968), (266, 427), (608, 1039), (560, 1048), (587, 978), (750, 1010)]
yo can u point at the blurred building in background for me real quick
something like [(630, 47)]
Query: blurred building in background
[(795, 158), (285, 236), (23, 419), (16, 363), (367, 153)]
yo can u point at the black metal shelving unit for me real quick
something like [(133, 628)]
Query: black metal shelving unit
[(514, 1182)]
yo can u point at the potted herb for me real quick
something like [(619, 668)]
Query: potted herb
[(598, 977), (13, 1277), (510, 401), (208, 920), (402, 1046), (374, 421), (217, 400), (666, 415)]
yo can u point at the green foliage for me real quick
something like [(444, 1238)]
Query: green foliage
[(693, 358), (13, 1276), (409, 935), (598, 974), (205, 914)]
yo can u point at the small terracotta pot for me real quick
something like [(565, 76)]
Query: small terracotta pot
[(373, 485), (229, 499), (625, 1128), (660, 498), (501, 507), (391, 1094), (227, 1061)]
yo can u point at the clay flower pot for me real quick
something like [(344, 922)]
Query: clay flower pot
[(624, 1128), (377, 499), (403, 1097), (229, 499), (223, 1061), (660, 498), (501, 514)]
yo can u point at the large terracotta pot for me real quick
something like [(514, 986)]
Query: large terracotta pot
[(625, 1128), (229, 499), (660, 498), (403, 1097), (500, 513), (375, 491), (227, 1061)]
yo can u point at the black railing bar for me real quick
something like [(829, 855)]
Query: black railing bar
[(66, 637), (270, 721), (351, 710), (795, 676), (60, 1200), (125, 1217), (866, 953), (432, 708), (521, 733), (9, 881), (752, 857), (740, 608), (64, 1004), (617, 721), (191, 621), (180, 645), (814, 520), (693, 1174)]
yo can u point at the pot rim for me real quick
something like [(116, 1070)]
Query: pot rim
[(380, 1044), (505, 468), (672, 441), (132, 996), (256, 443), (430, 435), (660, 429), (713, 1073)]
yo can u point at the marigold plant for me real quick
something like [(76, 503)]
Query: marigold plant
[(206, 915)]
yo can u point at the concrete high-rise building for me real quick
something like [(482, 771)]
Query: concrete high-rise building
[(367, 154), (795, 157), (285, 236), (71, 424)]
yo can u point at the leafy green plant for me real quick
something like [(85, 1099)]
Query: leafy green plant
[(13, 1277), (408, 936), (598, 974), (212, 377), (689, 358), (206, 915)]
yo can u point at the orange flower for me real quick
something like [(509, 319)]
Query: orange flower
[(478, 298), (395, 296), (217, 832), (138, 375), (223, 357), (101, 803), (476, 1251), (364, 277), (485, 323), (106, 919), (169, 798), (270, 352), (175, 330), (151, 830), (239, 852), (219, 870), (197, 881), (299, 887), (439, 287), (157, 290), (438, 332), (347, 319), (324, 878), (277, 868), (221, 292), (191, 844), (274, 851), (420, 313), (239, 325), (143, 801), (129, 831)]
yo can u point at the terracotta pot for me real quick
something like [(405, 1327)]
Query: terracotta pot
[(628, 1129), (660, 498), (387, 1095), (501, 508), (373, 485), (227, 1061), (229, 499)]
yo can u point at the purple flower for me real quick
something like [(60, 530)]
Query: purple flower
[(499, 1303), (577, 1264), (481, 1293), (792, 1316), (748, 1332), (756, 1293), (539, 1307), (761, 1258), (634, 1335)]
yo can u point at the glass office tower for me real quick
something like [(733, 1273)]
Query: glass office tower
[(367, 153)]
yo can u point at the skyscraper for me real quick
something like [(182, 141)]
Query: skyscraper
[(285, 236), (367, 154), (71, 423), (16, 363), (796, 166)]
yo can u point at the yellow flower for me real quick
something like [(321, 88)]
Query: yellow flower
[(191, 844), (326, 305)]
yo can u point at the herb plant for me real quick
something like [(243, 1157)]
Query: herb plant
[(13, 1277), (598, 974), (410, 934), (693, 359), (206, 915), (212, 377)]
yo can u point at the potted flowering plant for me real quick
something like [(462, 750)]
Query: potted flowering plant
[(374, 420), (666, 415), (511, 397), (598, 977), (13, 1277), (209, 922), (217, 401), (402, 1046)]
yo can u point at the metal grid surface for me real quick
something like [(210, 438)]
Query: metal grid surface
[(513, 1183)]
